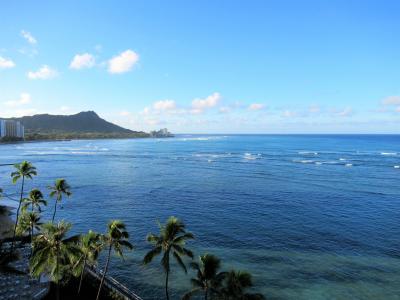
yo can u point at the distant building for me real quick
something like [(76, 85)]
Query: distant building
[(11, 129), (161, 133)]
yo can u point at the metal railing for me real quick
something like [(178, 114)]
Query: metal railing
[(113, 284)]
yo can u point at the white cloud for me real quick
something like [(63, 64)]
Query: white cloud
[(45, 72), (398, 109), (289, 114), (124, 113), (224, 109), (152, 122), (198, 105), (314, 109), (6, 63), (347, 111), (81, 61), (164, 105), (29, 37), (24, 98), (123, 62), (391, 100), (256, 106)]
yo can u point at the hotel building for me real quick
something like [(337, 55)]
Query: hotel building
[(12, 129)]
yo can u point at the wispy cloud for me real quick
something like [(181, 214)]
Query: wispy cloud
[(289, 113), (24, 99), (124, 113), (346, 112), (391, 100), (256, 106), (45, 72), (122, 63), (82, 61), (29, 37), (224, 109), (164, 105), (314, 109), (199, 105), (6, 63)]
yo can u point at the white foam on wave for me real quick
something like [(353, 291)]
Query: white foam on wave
[(45, 152), (389, 153), (304, 161), (342, 159), (250, 156), (348, 165), (396, 167), (308, 153), (83, 153), (212, 155), (318, 163)]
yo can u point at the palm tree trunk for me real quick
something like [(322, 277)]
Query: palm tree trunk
[(83, 271), (166, 285), (104, 273), (55, 210), (16, 219), (31, 239), (57, 283), (205, 294)]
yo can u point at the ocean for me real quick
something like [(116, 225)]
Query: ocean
[(310, 216)]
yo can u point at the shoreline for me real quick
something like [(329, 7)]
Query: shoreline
[(80, 139)]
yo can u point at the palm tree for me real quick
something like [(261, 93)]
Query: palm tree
[(116, 239), (91, 246), (35, 200), (236, 285), (60, 188), (28, 221), (23, 170), (172, 239), (208, 280), (53, 252)]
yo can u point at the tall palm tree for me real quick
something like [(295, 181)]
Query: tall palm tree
[(90, 245), (35, 200), (116, 239), (60, 188), (24, 170), (208, 280), (172, 239), (28, 221), (236, 285), (54, 252)]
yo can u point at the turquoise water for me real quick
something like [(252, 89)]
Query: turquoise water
[(312, 217)]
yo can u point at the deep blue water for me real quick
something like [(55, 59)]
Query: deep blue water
[(311, 217)]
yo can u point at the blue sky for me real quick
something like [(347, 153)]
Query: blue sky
[(206, 66)]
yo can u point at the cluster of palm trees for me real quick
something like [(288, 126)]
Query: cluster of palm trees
[(60, 256), (209, 280)]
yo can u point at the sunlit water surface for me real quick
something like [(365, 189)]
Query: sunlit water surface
[(311, 217)]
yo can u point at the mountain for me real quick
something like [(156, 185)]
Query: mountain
[(82, 125)]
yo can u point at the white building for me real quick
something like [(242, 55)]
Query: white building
[(12, 129), (2, 128)]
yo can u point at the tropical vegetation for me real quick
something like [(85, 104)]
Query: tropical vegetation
[(24, 170), (64, 258), (170, 241), (60, 188), (115, 239)]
